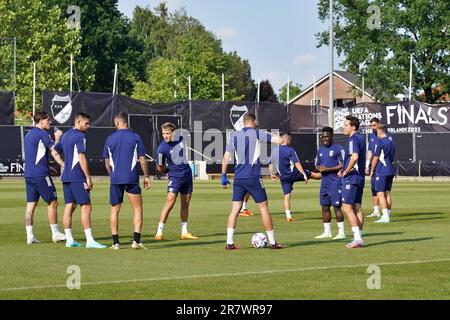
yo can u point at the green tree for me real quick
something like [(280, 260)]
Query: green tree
[(180, 48), (42, 38), (106, 40), (381, 53), (266, 92), (294, 90)]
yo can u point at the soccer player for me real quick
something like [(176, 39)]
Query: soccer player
[(383, 171), (247, 176), (373, 140), (38, 181), (353, 179), (123, 149), (329, 163), (180, 179), (282, 157), (77, 182)]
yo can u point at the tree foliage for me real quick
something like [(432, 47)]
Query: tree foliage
[(294, 90), (42, 38), (267, 94), (179, 46), (382, 55)]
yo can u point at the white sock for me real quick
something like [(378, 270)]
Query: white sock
[(327, 228), (69, 237), (356, 234), (341, 227), (30, 234), (184, 227), (376, 209), (389, 212), (160, 228), (230, 233), (244, 206), (55, 229), (271, 236), (385, 213), (288, 214), (88, 233)]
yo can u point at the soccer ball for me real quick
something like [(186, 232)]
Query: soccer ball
[(259, 240)]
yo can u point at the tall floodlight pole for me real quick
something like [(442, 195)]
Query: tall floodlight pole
[(190, 92), (258, 90), (115, 78), (223, 87), (287, 92), (410, 78), (71, 74), (34, 91), (331, 103), (15, 49), (363, 95)]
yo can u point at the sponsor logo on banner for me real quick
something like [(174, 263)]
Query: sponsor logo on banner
[(237, 114), (61, 108), (399, 117), (11, 169)]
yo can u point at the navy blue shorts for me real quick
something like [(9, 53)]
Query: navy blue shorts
[(287, 184), (253, 186), (40, 187), (75, 192), (331, 196), (116, 192), (352, 189), (383, 183), (180, 186), (372, 186)]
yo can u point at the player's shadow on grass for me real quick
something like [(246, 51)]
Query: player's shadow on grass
[(400, 215), (374, 234), (398, 241), (186, 243)]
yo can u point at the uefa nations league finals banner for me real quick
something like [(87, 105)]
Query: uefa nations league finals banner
[(400, 117), (6, 108)]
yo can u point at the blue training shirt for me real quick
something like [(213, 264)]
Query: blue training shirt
[(123, 149), (72, 143), (329, 157), (356, 144), (385, 150), (245, 144), (173, 154), (37, 145), (283, 157)]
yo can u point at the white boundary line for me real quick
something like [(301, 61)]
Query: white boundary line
[(217, 275)]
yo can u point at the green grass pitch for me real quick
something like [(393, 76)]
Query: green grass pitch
[(412, 251)]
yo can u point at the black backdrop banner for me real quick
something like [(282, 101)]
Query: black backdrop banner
[(6, 108), (400, 117)]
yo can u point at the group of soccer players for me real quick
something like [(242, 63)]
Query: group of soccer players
[(341, 171)]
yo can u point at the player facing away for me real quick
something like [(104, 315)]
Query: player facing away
[(282, 158), (383, 171), (373, 140), (247, 176), (122, 152), (77, 182), (353, 179), (329, 163), (172, 152), (38, 181)]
